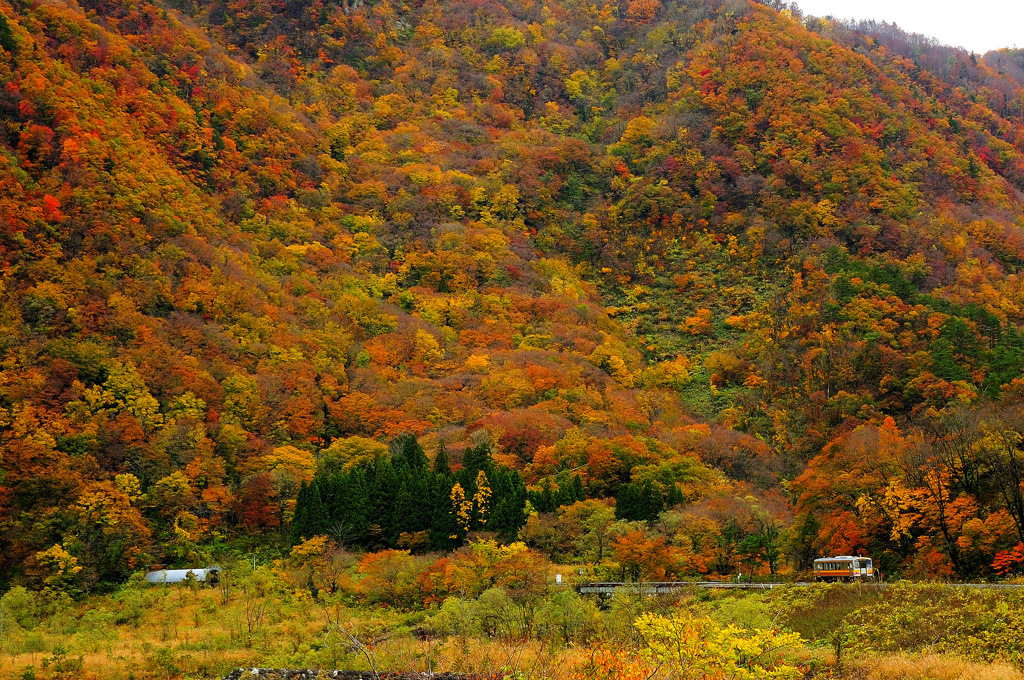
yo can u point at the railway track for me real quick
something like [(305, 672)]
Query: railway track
[(659, 587)]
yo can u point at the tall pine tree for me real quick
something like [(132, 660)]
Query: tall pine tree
[(578, 493), (626, 502), (411, 454), (675, 496), (299, 518), (403, 519), (442, 466), (384, 490), (313, 518), (651, 502), (507, 517), (475, 459)]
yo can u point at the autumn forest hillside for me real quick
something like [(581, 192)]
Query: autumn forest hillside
[(755, 275)]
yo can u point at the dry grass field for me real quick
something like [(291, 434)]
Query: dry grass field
[(260, 619)]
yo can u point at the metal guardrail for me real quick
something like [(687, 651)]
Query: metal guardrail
[(659, 587), (991, 586)]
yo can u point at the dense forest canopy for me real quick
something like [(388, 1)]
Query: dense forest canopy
[(753, 275)]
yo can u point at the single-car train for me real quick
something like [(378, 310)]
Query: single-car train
[(844, 568)]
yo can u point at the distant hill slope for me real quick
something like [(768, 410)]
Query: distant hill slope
[(234, 233)]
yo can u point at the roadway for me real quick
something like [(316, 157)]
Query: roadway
[(659, 587)]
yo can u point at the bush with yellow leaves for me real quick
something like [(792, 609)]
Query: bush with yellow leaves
[(690, 648)]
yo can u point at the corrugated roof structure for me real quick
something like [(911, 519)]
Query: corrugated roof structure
[(180, 575)]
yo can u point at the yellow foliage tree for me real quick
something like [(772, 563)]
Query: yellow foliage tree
[(124, 391), (426, 348), (59, 569), (463, 508), (482, 497), (698, 648), (477, 363), (309, 549), (287, 460), (506, 201), (129, 485), (674, 374), (243, 402), (349, 452), (608, 357)]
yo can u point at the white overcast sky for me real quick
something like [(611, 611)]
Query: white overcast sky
[(978, 25)]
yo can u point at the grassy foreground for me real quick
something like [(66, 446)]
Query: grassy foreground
[(260, 618)]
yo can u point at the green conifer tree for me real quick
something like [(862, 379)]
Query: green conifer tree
[(547, 497), (563, 496), (421, 511), (507, 517), (1006, 362), (675, 496), (310, 513), (404, 514), (412, 454), (384, 490), (7, 40), (299, 518), (578, 493), (349, 504), (475, 459), (444, 528), (442, 466), (626, 502), (651, 502)]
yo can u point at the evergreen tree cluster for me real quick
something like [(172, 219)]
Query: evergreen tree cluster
[(566, 492), (1006, 362), (404, 503), (644, 501)]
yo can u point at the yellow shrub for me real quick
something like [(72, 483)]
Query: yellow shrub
[(691, 648)]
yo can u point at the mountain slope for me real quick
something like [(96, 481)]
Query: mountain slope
[(235, 235)]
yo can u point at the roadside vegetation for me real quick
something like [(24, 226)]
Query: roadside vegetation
[(493, 609)]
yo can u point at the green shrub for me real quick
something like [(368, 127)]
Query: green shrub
[(21, 606), (505, 37)]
